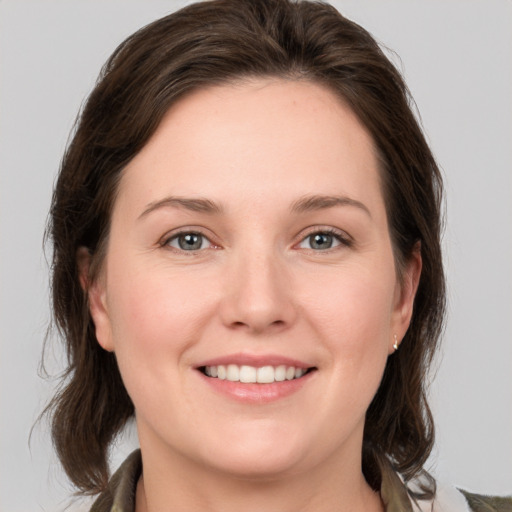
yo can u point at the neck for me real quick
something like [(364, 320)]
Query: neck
[(332, 487)]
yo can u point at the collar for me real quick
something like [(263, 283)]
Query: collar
[(120, 493)]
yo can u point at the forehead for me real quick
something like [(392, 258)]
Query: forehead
[(258, 138)]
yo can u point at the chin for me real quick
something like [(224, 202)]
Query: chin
[(262, 467), (263, 455)]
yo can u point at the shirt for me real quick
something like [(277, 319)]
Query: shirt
[(120, 494)]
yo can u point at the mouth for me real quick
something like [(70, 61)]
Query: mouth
[(255, 374)]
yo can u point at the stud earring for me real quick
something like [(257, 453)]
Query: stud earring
[(395, 344)]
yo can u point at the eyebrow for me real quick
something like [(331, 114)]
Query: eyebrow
[(194, 205), (320, 202), (303, 205)]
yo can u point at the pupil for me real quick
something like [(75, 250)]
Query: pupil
[(321, 241), (190, 241)]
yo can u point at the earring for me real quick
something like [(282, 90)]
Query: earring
[(395, 344)]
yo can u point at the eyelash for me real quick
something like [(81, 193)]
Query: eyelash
[(166, 241), (340, 236), (343, 238)]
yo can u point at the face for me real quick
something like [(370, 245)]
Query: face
[(249, 289)]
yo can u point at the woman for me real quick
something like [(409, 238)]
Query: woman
[(246, 229)]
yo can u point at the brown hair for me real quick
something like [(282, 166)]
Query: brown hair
[(216, 42)]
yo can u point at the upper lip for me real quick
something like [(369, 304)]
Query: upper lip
[(256, 360)]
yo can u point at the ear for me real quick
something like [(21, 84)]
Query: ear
[(405, 292), (96, 295)]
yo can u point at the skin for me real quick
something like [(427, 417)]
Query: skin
[(256, 286)]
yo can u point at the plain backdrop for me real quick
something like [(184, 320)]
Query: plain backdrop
[(456, 56)]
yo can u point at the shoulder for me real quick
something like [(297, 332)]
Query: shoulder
[(450, 499), (400, 496), (482, 503), (119, 496)]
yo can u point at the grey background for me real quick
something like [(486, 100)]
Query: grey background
[(457, 59)]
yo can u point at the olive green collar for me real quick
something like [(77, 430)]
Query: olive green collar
[(120, 494)]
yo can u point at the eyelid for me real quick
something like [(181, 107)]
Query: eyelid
[(165, 240), (342, 236)]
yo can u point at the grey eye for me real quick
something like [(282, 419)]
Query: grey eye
[(320, 241), (189, 242)]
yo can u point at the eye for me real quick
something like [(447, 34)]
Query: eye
[(322, 241), (189, 241)]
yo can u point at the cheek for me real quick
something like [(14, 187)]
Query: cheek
[(354, 308), (150, 299), (154, 318), (353, 315), (154, 321)]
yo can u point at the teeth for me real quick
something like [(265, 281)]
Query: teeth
[(233, 373), (221, 372), (248, 374), (290, 373), (265, 375), (251, 374), (280, 373)]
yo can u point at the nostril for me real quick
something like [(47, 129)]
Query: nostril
[(258, 327)]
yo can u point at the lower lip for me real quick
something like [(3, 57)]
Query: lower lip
[(257, 393)]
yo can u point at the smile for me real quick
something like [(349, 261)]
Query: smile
[(252, 374)]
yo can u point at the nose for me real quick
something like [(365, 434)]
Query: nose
[(258, 297)]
